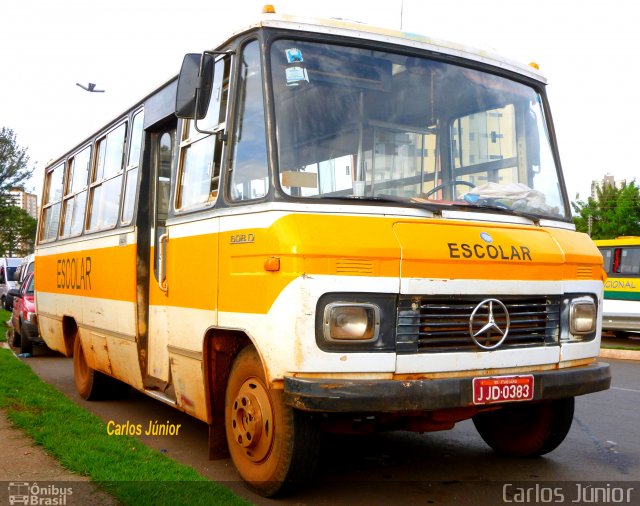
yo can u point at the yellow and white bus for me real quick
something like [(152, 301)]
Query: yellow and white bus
[(621, 308), (323, 226)]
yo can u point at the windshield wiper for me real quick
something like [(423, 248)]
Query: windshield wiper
[(435, 208), (501, 208)]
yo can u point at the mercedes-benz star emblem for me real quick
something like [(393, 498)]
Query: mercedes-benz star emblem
[(487, 331), (486, 237)]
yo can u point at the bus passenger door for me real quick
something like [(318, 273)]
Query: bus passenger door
[(162, 152)]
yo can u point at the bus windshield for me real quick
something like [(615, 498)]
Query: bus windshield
[(359, 123)]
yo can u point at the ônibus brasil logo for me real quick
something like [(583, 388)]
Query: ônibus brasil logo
[(22, 492)]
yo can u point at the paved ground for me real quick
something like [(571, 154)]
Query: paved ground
[(24, 462)]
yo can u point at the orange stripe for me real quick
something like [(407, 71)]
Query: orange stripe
[(106, 273), (201, 269)]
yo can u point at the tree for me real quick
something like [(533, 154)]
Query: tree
[(17, 228), (14, 170), (17, 232), (612, 213)]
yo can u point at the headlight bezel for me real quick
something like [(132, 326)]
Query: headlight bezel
[(572, 306), (382, 306)]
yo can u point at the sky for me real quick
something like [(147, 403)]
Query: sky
[(587, 49)]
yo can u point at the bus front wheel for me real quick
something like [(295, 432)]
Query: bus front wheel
[(274, 447), (527, 429)]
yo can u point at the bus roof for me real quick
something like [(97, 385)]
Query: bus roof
[(368, 32)]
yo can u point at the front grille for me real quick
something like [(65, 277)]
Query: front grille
[(427, 324)]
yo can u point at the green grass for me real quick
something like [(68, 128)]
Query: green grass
[(5, 316), (621, 347), (122, 466)]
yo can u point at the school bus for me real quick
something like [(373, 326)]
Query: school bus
[(621, 307), (323, 226)]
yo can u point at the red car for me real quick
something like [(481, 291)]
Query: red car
[(24, 319)]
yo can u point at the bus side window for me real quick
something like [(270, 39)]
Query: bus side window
[(617, 257), (131, 176), (249, 174), (51, 204), (106, 181), (75, 197), (201, 153), (607, 255), (629, 261)]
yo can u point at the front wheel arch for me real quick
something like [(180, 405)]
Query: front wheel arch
[(274, 447)]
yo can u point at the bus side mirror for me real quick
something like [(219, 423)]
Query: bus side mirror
[(194, 86)]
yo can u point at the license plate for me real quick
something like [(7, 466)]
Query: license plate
[(496, 389)]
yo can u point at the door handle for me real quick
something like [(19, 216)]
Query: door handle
[(162, 262)]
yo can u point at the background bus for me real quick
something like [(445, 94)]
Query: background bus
[(621, 311)]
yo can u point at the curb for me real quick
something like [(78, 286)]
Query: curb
[(620, 354)]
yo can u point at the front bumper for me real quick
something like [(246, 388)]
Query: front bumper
[(621, 322), (397, 396)]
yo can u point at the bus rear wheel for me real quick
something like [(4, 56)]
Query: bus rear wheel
[(90, 384), (526, 430), (274, 447)]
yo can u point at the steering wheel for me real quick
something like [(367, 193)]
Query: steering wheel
[(446, 185)]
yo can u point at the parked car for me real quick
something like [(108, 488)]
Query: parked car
[(20, 274), (8, 268), (23, 318)]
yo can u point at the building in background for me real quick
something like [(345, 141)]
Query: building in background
[(607, 180), (26, 201)]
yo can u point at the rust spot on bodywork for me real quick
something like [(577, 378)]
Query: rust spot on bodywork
[(185, 401)]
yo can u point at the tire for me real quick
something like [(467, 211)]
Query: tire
[(274, 447), (90, 384), (26, 346), (526, 430), (16, 338)]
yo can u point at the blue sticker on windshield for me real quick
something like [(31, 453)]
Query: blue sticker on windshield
[(294, 55)]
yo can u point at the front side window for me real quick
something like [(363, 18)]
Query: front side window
[(201, 151), (30, 290), (11, 274), (249, 169), (358, 123)]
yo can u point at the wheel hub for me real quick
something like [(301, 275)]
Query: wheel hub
[(252, 420)]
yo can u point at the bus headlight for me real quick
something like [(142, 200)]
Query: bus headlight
[(579, 318), (582, 316), (349, 321)]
